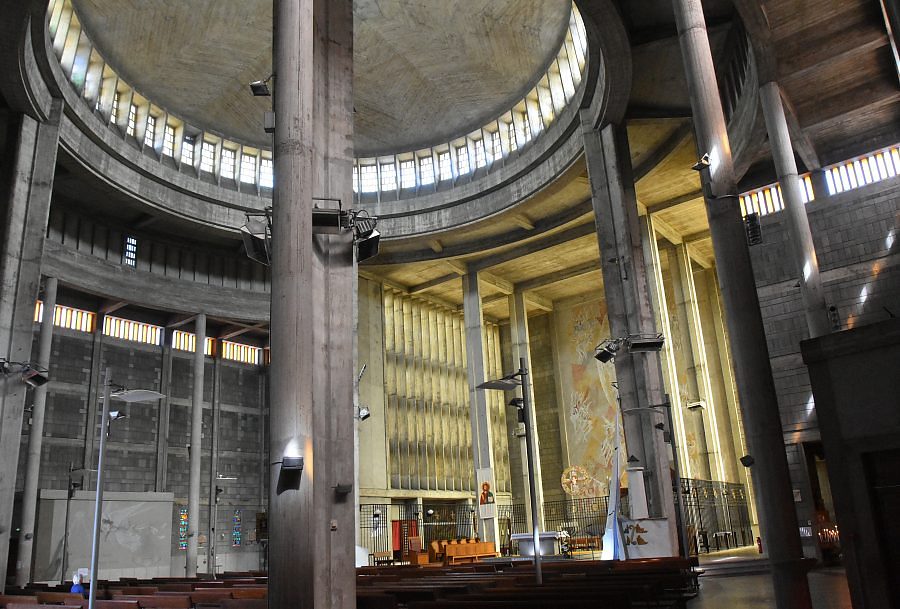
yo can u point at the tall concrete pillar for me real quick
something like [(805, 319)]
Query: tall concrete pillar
[(521, 348), (629, 309), (196, 447), (212, 521), (35, 441), (752, 369), (668, 359), (311, 513), (26, 183), (482, 454), (800, 240)]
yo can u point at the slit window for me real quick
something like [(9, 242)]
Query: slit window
[(445, 166), (265, 173), (150, 131), (132, 120), (480, 156), (407, 174), (129, 256), (248, 169), (187, 151), (496, 146), (462, 161), (207, 157), (368, 178), (227, 168), (388, 177), (169, 141), (115, 107), (426, 171)]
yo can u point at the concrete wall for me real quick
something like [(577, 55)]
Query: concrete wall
[(139, 458), (857, 239)]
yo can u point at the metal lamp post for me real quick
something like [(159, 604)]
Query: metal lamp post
[(128, 396), (509, 383)]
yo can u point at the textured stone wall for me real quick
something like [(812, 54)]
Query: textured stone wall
[(857, 239), (135, 445)]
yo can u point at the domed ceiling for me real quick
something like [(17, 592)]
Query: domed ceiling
[(425, 70)]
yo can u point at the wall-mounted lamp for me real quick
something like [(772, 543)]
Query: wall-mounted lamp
[(703, 163), (363, 413), (290, 474), (696, 405), (747, 460), (292, 464), (607, 350), (260, 88), (32, 374)]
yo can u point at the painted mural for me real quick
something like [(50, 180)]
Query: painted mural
[(589, 397)]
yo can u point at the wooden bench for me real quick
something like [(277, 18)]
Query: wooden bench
[(6, 599), (468, 552), (59, 598), (161, 601)]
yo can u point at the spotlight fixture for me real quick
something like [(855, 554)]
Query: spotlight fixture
[(292, 464), (702, 164), (117, 415), (363, 413), (645, 343), (260, 88), (696, 405), (606, 351), (257, 237), (507, 383), (747, 460), (33, 376), (365, 235)]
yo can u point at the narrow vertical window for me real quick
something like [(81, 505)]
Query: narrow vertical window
[(496, 146), (480, 155), (169, 141), (462, 161), (388, 177), (445, 166), (248, 169), (132, 120), (266, 176), (150, 132), (368, 178), (207, 157), (187, 151), (426, 171), (227, 168), (130, 255), (407, 174), (115, 107)]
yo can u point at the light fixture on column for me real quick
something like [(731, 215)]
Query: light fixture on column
[(606, 351), (363, 413), (703, 163), (747, 460), (506, 383), (365, 235), (696, 404), (32, 374), (645, 343), (256, 234), (260, 88)]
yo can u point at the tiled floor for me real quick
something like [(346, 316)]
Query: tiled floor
[(828, 588)]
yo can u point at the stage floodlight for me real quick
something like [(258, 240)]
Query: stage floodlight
[(368, 247), (292, 464), (606, 351), (703, 163), (34, 377), (747, 460), (260, 88), (646, 343), (255, 245), (329, 221)]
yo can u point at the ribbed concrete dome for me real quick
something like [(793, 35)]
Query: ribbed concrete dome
[(425, 71)]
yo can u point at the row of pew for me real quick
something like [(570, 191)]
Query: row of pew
[(663, 583)]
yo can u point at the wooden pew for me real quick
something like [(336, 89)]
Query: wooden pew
[(59, 598), (6, 599)]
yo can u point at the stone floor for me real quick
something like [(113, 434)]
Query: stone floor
[(828, 588)]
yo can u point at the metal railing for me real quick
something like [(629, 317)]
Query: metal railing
[(716, 515)]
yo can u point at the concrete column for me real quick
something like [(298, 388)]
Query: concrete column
[(311, 513), (212, 521), (35, 441), (162, 434), (748, 340), (668, 359), (521, 348), (196, 447), (800, 241), (685, 365), (28, 165), (629, 309), (482, 454)]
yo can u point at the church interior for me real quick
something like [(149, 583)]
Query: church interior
[(423, 305)]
